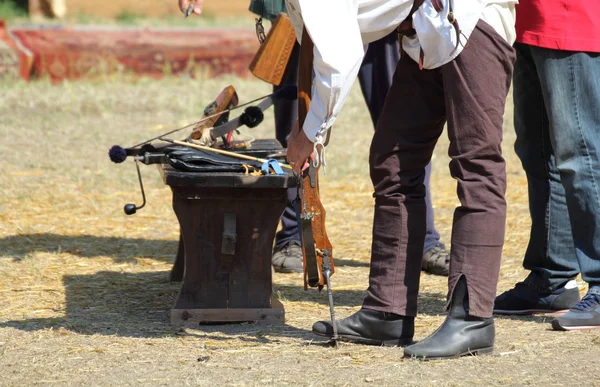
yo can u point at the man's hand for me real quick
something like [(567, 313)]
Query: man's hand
[(299, 149), (198, 4)]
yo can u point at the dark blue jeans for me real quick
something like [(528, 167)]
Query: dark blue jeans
[(375, 76), (557, 121)]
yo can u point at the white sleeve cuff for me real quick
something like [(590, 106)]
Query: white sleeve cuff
[(314, 127)]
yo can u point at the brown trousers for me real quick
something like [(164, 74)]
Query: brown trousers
[(469, 94)]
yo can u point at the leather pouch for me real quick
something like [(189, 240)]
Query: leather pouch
[(271, 60)]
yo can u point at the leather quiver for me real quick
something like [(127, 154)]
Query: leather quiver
[(271, 60), (196, 160)]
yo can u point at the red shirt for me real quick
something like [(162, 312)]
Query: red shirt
[(572, 25)]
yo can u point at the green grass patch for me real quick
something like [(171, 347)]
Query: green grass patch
[(128, 17), (12, 9)]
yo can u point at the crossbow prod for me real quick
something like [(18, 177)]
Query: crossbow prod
[(201, 144), (317, 250)]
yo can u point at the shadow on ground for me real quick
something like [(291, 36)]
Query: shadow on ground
[(131, 305), (432, 304), (88, 246), (350, 263), (138, 304)]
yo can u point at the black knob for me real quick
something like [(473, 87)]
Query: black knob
[(130, 209)]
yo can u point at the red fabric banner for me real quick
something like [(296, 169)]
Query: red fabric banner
[(15, 60), (72, 53)]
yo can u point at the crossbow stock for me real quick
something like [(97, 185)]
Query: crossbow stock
[(269, 64), (317, 250)]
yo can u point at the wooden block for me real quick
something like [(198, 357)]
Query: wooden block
[(271, 60), (193, 317)]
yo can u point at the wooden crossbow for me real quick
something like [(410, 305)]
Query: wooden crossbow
[(269, 64), (316, 247), (213, 124)]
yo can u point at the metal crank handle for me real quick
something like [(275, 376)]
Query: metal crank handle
[(131, 208)]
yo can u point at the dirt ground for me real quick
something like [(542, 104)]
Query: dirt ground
[(84, 289)]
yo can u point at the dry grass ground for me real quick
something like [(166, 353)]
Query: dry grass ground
[(84, 291)]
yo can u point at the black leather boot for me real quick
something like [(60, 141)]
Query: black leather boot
[(459, 335), (369, 326)]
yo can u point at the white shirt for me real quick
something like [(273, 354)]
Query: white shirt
[(342, 29)]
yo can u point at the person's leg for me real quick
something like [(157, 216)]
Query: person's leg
[(375, 78), (411, 122), (550, 254), (432, 238), (574, 117), (475, 105), (571, 88), (406, 134), (287, 255), (377, 71)]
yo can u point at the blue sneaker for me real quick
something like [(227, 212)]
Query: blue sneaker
[(584, 315), (522, 300)]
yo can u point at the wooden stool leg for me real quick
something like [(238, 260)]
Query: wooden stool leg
[(179, 264)]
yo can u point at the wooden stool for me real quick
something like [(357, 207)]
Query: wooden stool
[(228, 223)]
